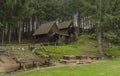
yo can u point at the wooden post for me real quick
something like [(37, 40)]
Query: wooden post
[(23, 66)]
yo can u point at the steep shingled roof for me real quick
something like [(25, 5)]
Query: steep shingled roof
[(44, 28), (64, 25)]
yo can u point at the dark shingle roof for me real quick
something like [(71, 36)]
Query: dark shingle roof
[(64, 25), (44, 28)]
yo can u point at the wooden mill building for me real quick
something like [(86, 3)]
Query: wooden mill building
[(64, 27), (69, 28), (52, 32), (46, 32)]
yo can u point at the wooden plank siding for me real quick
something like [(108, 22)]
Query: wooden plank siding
[(53, 33)]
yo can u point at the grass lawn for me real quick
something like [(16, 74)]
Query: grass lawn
[(108, 68), (85, 45), (79, 47), (115, 51)]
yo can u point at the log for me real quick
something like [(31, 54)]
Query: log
[(69, 57)]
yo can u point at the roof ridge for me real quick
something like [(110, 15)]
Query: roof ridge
[(44, 28), (64, 24)]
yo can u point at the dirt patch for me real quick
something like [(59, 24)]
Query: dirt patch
[(7, 64), (86, 42), (57, 65)]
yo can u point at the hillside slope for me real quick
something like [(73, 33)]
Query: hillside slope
[(83, 46)]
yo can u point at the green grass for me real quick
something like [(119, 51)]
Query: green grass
[(82, 46), (114, 50), (79, 47), (108, 68), (26, 53), (85, 45)]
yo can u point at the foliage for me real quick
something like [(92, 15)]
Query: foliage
[(21, 14)]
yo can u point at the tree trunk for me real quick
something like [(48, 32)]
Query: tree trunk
[(35, 23), (19, 32), (83, 30), (79, 23), (31, 29), (99, 40), (3, 36), (99, 31), (9, 34)]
